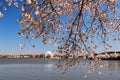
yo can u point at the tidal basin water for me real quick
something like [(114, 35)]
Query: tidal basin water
[(41, 69)]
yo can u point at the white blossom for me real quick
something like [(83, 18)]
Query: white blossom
[(1, 14), (28, 1), (37, 12)]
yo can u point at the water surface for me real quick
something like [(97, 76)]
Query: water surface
[(41, 69)]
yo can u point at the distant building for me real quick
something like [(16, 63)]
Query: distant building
[(48, 54)]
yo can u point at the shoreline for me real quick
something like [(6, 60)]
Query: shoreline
[(101, 56), (117, 59)]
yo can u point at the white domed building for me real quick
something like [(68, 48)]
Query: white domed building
[(48, 54)]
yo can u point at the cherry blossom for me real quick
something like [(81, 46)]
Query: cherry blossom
[(1, 14), (76, 26)]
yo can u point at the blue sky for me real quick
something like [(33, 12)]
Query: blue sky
[(10, 40)]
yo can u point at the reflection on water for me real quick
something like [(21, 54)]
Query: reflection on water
[(39, 69), (49, 67), (114, 65)]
